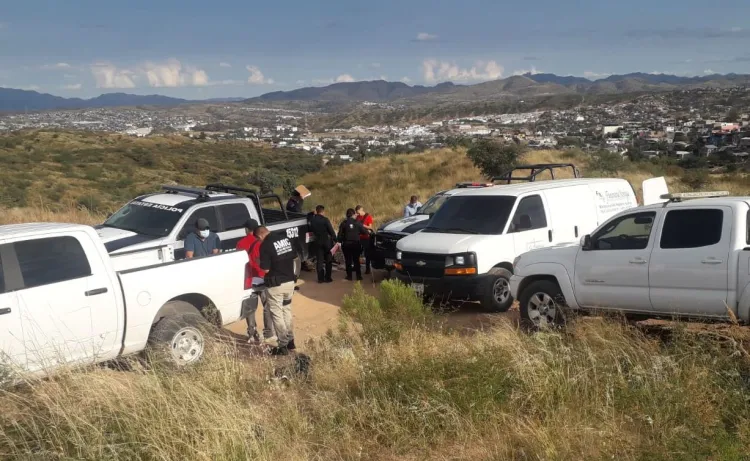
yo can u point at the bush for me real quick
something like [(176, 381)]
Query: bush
[(696, 179), (493, 158), (606, 162)]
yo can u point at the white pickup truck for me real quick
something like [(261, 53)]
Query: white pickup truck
[(687, 258), (61, 302)]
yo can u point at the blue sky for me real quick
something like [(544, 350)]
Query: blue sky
[(201, 49)]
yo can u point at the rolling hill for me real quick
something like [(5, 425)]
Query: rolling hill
[(13, 100)]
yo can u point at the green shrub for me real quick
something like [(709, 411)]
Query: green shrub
[(493, 158), (696, 179)]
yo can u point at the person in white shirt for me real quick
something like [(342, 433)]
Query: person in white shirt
[(412, 207)]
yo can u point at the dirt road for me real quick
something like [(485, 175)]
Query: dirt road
[(316, 307)]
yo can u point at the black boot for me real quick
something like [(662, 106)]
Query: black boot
[(321, 277), (291, 345)]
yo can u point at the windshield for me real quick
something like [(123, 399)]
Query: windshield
[(433, 204), (145, 218), (475, 214)]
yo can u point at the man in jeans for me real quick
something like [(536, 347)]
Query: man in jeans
[(277, 259), (254, 277)]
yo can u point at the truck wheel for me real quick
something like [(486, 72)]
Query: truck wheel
[(542, 304), (180, 339), (497, 296)]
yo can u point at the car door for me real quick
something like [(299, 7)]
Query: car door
[(233, 217), (612, 271), (529, 225), (12, 353), (208, 213), (67, 301), (689, 268)]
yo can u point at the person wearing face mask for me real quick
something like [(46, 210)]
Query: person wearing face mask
[(202, 242)]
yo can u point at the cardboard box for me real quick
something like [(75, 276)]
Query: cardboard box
[(303, 191)]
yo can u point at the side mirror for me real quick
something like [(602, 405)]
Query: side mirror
[(586, 244), (431, 215), (419, 209)]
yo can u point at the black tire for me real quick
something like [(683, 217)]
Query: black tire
[(542, 305), (492, 301), (180, 339)]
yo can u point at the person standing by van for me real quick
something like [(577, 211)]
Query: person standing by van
[(412, 207), (350, 232), (365, 239), (325, 237)]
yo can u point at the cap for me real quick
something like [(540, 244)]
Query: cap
[(251, 224), (202, 224)]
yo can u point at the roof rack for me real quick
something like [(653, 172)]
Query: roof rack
[(219, 187), (534, 171), (680, 196), (465, 185), (201, 193)]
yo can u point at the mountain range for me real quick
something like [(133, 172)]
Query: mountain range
[(527, 85)]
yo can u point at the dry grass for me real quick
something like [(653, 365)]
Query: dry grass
[(599, 391)]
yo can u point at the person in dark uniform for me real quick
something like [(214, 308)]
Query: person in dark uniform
[(325, 237), (295, 203), (350, 232)]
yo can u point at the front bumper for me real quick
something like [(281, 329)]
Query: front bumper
[(378, 257), (515, 283), (458, 287)]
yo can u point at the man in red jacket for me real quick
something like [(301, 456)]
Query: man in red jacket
[(254, 277), (364, 239)]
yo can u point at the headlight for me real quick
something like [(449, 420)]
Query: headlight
[(398, 255), (460, 260), (461, 264), (516, 261)]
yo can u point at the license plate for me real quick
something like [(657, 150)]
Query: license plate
[(390, 262), (418, 288)]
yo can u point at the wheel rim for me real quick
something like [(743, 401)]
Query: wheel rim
[(187, 346), (501, 290), (542, 309)]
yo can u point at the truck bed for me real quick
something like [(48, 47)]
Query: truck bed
[(275, 216)]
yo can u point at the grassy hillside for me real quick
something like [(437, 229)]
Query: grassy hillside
[(100, 171)]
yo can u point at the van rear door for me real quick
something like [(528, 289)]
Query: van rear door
[(653, 189)]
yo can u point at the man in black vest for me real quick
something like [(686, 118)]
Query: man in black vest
[(325, 237), (350, 232)]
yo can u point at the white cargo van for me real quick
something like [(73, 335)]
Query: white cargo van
[(467, 249)]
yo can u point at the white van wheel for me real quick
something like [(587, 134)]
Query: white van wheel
[(497, 297)]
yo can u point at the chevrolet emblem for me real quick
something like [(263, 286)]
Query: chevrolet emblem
[(421, 263)]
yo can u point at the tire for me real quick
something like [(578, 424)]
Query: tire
[(497, 297), (542, 304), (180, 339)]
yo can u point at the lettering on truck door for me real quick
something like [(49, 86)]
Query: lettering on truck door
[(67, 301)]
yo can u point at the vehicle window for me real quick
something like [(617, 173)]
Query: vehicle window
[(145, 218), (234, 216), (692, 228), (2, 277), (433, 204), (208, 213), (629, 232), (747, 228), (51, 260), (473, 214), (529, 215)]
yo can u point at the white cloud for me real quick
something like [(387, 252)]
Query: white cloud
[(72, 87), (172, 74), (425, 37), (531, 71), (108, 76), (344, 78), (301, 82), (709, 71), (225, 64), (256, 76), (31, 88), (595, 75), (225, 83), (406, 79), (57, 66), (434, 71)]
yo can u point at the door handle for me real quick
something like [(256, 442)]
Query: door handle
[(576, 230), (712, 261), (549, 234), (638, 261), (98, 291), (5, 310)]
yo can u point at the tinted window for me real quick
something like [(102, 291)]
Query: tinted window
[(692, 228), (145, 218), (629, 232), (529, 215), (207, 213), (234, 216), (51, 260), (433, 204), (475, 214)]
